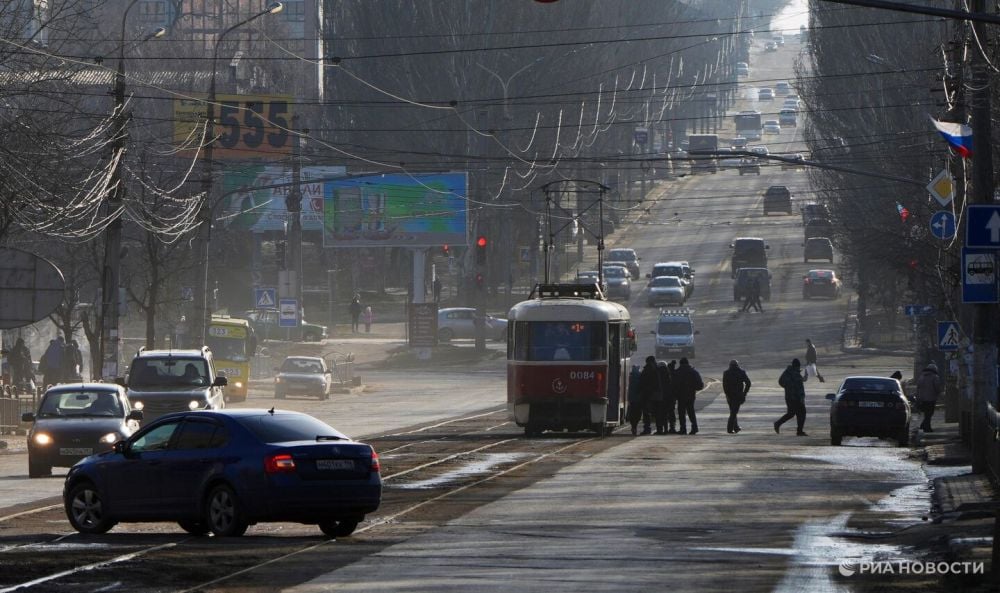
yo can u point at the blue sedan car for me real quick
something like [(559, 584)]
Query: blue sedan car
[(220, 471)]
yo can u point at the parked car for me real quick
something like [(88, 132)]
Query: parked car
[(869, 406), (617, 280), (303, 375), (772, 126), (818, 248), (665, 290), (266, 324), (459, 323), (626, 256), (223, 470), (76, 420), (821, 283), (744, 280)]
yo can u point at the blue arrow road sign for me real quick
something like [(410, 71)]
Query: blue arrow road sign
[(943, 224), (948, 336), (983, 226), (912, 310)]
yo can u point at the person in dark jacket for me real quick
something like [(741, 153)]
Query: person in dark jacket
[(736, 385), (355, 309), (670, 399), (665, 415), (928, 390), (51, 363), (635, 411), (21, 372), (687, 383), (72, 362), (649, 392), (795, 397)]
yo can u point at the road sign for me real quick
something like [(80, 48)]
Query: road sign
[(288, 312), (979, 278), (187, 293), (942, 188), (983, 227), (913, 310), (265, 297), (943, 224), (949, 337), (423, 325)]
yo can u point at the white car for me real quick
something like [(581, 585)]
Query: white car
[(665, 290), (765, 94), (772, 126), (759, 150), (460, 323)]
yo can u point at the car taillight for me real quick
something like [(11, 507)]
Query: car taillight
[(279, 463), (376, 466)]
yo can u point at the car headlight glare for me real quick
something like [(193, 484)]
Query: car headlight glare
[(194, 404), (138, 405), (43, 439), (277, 379), (110, 438), (238, 385)]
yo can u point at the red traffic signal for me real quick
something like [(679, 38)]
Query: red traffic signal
[(445, 250), (481, 242), (481, 251)]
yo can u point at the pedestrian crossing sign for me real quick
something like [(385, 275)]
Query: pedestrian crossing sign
[(949, 336), (265, 297)]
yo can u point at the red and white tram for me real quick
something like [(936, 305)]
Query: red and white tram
[(568, 355)]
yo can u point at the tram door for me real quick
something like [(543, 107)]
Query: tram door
[(615, 339)]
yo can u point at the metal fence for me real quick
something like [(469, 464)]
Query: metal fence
[(12, 405)]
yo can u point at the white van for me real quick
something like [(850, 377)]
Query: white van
[(674, 334)]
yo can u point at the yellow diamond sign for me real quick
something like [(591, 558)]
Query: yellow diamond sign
[(942, 188)]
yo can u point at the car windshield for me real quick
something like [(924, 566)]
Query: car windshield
[(617, 255), (615, 272), (227, 348), (560, 340), (283, 428), (80, 403), (301, 365), (673, 328), (169, 371), (587, 275), (666, 281)]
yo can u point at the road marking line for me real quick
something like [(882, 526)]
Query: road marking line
[(95, 565), (30, 512)]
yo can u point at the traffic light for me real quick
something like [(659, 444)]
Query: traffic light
[(446, 251), (480, 281), (279, 254), (481, 250)]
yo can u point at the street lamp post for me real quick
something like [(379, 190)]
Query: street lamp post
[(111, 274), (202, 313)]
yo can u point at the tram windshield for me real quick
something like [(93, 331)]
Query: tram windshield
[(560, 340)]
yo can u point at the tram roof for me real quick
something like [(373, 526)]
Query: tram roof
[(567, 309)]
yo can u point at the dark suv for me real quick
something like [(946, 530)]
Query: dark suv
[(777, 198), (818, 248), (164, 381), (624, 256), (745, 278), (748, 252), (818, 227)]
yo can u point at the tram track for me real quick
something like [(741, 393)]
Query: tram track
[(148, 553)]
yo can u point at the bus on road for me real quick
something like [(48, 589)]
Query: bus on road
[(233, 344)]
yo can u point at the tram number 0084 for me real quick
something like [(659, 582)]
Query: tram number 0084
[(582, 375)]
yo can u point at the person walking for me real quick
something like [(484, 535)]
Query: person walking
[(73, 362), (793, 381), (670, 399), (21, 372), (355, 309), (688, 383), (51, 363), (649, 393), (736, 385), (368, 317), (664, 415), (755, 296), (634, 399), (437, 289), (929, 387), (747, 298), (811, 361)]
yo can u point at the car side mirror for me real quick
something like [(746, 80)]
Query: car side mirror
[(120, 447), (27, 417), (220, 382), (135, 415), (831, 396)]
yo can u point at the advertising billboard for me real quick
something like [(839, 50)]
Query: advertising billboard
[(247, 126), (256, 206), (397, 210)]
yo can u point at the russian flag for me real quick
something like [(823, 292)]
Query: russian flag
[(959, 136)]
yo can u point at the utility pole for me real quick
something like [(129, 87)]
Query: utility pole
[(984, 332), (293, 204)]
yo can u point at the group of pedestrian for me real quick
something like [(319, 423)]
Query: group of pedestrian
[(22, 372), (361, 314), (664, 394), (752, 297), (62, 362)]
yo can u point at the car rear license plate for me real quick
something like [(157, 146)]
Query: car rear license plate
[(76, 451), (335, 464), (871, 404)]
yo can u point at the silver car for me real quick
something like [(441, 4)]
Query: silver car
[(303, 375), (617, 280), (665, 290), (458, 323)]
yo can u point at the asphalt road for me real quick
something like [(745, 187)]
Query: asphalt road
[(472, 505)]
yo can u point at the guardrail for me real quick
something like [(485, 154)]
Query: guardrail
[(13, 404)]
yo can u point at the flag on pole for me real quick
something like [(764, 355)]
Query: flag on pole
[(959, 136)]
